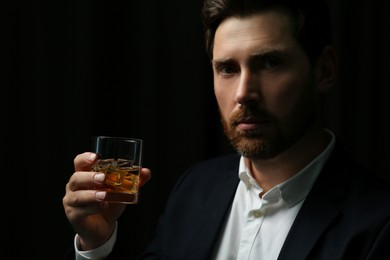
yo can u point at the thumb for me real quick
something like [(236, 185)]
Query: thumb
[(84, 161), (146, 175)]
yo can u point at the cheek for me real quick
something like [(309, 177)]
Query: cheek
[(285, 92), (225, 101), (298, 98)]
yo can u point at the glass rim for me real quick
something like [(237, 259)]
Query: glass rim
[(116, 138)]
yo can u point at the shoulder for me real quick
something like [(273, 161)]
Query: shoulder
[(353, 185), (211, 171), (215, 166), (348, 172), (220, 163), (371, 191)]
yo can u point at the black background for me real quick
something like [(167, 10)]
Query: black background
[(74, 69)]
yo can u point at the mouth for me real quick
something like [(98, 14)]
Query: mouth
[(250, 123)]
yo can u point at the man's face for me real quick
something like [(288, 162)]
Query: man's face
[(263, 83)]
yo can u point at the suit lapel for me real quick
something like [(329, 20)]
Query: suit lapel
[(311, 222), (318, 211), (215, 210)]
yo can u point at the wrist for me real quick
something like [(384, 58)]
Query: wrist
[(99, 252)]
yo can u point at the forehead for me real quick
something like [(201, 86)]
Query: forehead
[(265, 30)]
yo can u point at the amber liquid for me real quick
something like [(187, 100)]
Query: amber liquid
[(122, 179)]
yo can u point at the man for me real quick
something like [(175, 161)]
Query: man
[(291, 192)]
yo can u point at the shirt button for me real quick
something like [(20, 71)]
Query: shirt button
[(256, 213)]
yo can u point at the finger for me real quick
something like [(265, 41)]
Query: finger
[(86, 180), (82, 203), (145, 176), (81, 198), (84, 161)]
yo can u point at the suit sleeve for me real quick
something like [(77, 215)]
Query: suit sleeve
[(381, 249)]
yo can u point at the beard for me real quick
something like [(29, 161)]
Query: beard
[(274, 135), (260, 143)]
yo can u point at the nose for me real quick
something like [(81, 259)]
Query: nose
[(248, 90)]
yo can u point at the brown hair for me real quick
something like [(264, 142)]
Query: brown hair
[(310, 17)]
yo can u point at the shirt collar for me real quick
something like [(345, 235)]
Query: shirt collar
[(296, 188)]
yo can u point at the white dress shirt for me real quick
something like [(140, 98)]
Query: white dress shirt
[(98, 253), (256, 227)]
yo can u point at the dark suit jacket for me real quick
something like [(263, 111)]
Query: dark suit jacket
[(345, 216)]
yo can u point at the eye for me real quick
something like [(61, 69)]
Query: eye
[(225, 69), (273, 62)]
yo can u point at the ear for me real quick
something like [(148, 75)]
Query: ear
[(326, 69)]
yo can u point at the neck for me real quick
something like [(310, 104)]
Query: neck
[(274, 171)]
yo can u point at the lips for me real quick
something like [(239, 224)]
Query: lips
[(249, 123)]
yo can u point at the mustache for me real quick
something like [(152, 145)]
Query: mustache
[(249, 114)]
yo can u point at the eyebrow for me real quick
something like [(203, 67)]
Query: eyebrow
[(268, 53), (221, 61), (256, 55)]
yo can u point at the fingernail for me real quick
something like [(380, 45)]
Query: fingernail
[(100, 195), (91, 157), (99, 177)]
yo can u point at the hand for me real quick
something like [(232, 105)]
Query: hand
[(91, 217)]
